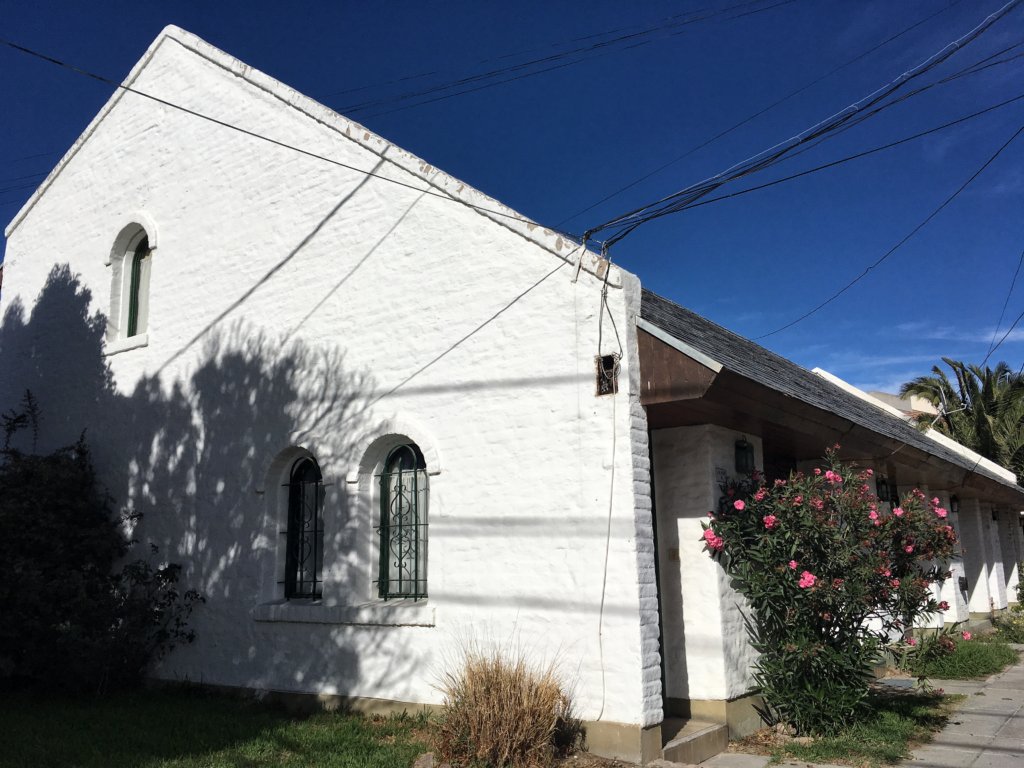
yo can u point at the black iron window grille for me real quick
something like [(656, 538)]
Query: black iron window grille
[(403, 525), (304, 550)]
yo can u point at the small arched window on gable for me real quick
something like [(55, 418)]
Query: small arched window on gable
[(135, 307), (304, 550), (402, 572)]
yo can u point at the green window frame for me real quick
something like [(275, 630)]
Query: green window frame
[(304, 543), (404, 495), (136, 287)]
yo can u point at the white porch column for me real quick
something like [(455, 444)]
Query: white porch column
[(996, 578), (973, 534)]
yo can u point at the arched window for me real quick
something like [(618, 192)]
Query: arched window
[(137, 277), (305, 548), (403, 524)]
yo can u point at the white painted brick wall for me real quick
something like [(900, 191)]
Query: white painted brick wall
[(298, 303)]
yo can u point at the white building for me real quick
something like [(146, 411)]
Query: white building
[(289, 361)]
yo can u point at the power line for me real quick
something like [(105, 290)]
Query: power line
[(892, 250), (514, 54), (627, 223), (593, 49), (857, 156), (1009, 293), (755, 115), (261, 137)]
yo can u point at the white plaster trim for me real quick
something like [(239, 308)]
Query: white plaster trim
[(935, 435), (123, 345), (393, 425), (679, 346), (133, 222), (561, 246), (398, 613)]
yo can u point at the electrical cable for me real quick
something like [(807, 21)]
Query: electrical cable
[(261, 137), (857, 156), (630, 221), (892, 250), (594, 48), (1005, 335), (755, 115), (1002, 312)]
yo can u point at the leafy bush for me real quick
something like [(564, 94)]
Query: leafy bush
[(501, 710), (74, 616), (831, 578), (967, 659), (1010, 627)]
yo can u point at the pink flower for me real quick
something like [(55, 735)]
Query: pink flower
[(711, 515), (817, 471), (807, 579), (941, 512), (966, 635), (873, 515), (761, 493), (837, 583), (833, 477), (739, 504), (908, 549), (911, 641), (770, 521), (935, 501), (887, 573), (895, 582), (943, 606), (713, 540), (779, 483), (869, 472), (798, 500), (792, 565), (898, 511), (818, 504)]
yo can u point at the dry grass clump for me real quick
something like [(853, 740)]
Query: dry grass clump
[(500, 710)]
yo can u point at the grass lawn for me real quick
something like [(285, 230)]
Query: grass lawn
[(161, 729), (896, 722), (985, 655)]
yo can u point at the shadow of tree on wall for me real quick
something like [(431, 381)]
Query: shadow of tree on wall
[(194, 455)]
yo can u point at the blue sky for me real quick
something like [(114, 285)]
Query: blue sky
[(554, 142)]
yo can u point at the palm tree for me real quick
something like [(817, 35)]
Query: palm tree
[(981, 408)]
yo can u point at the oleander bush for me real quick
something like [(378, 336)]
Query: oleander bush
[(832, 578)]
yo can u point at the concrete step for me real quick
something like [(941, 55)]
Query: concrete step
[(696, 741)]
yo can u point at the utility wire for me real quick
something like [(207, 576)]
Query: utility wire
[(261, 137), (594, 49), (892, 250), (1002, 312), (1005, 335), (626, 223), (618, 30), (755, 115), (858, 155)]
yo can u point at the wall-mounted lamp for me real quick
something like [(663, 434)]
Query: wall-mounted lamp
[(954, 505), (744, 457), (882, 488)]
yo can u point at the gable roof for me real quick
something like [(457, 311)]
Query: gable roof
[(752, 361), (436, 181)]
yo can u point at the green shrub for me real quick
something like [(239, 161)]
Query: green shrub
[(1010, 627), (969, 658), (74, 616), (831, 579), (501, 710)]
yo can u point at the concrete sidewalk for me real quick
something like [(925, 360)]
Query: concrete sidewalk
[(986, 731)]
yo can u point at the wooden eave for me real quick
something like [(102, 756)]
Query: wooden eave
[(679, 390)]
